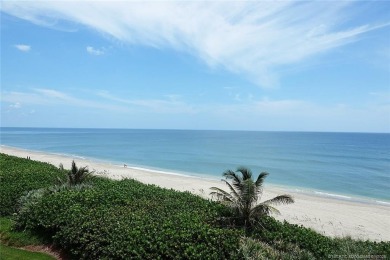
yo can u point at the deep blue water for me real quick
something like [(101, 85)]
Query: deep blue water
[(351, 164)]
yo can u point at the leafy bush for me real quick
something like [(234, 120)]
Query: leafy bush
[(348, 246), (127, 219), (18, 176), (282, 235), (255, 249)]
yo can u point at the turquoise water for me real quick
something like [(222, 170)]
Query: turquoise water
[(347, 164)]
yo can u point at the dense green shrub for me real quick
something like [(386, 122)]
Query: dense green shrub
[(282, 235), (255, 249), (348, 246), (127, 219), (18, 175)]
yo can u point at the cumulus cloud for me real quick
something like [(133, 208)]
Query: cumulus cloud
[(23, 47), (251, 38), (91, 50)]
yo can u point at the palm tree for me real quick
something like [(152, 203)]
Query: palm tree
[(244, 196), (78, 175)]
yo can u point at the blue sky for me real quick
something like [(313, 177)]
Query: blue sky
[(274, 66)]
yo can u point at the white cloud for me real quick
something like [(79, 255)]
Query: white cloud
[(252, 38), (93, 51), (170, 105), (23, 47), (50, 97), (15, 105)]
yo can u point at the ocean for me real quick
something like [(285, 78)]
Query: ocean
[(340, 165)]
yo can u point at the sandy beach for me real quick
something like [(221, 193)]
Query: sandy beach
[(332, 217)]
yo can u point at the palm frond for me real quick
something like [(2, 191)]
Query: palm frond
[(74, 168), (236, 179), (263, 210), (233, 192), (229, 174), (246, 173), (273, 210), (281, 199), (260, 179), (259, 183), (222, 195)]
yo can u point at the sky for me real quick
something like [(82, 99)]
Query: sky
[(215, 65)]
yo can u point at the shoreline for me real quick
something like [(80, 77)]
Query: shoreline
[(332, 216), (286, 188)]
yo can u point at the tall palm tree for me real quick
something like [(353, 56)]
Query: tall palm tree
[(244, 196)]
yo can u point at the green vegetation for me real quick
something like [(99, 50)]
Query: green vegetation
[(283, 235), (10, 253), (124, 219), (76, 176), (18, 176), (244, 196), (256, 249), (14, 238), (129, 220)]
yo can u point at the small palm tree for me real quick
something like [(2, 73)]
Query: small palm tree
[(78, 175), (244, 196)]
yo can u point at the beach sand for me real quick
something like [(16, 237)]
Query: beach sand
[(332, 217)]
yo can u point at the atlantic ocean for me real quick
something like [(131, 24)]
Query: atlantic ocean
[(340, 165)]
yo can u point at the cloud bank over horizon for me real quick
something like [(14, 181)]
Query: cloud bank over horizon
[(287, 114), (251, 39)]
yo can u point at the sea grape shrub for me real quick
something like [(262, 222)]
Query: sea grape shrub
[(255, 249), (349, 246), (281, 235), (136, 238), (273, 232), (129, 220), (19, 176)]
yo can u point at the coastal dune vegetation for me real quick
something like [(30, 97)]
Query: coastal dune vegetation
[(100, 218)]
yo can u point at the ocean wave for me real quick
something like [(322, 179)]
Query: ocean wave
[(382, 202), (325, 194), (159, 171), (186, 175), (351, 198), (69, 155)]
